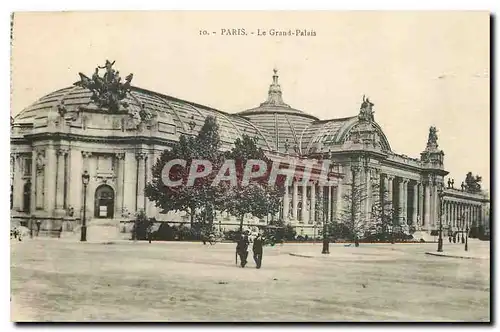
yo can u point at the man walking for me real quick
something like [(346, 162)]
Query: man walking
[(149, 231), (257, 250), (242, 249)]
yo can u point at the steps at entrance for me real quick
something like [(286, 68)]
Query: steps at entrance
[(425, 236), (101, 230)]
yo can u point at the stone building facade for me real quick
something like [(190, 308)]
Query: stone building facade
[(71, 130)]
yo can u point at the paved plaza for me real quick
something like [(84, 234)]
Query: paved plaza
[(61, 280)]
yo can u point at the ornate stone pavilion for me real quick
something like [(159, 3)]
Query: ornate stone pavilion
[(116, 132)]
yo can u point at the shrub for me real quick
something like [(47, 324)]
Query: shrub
[(141, 224)]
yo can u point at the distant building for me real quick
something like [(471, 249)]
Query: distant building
[(117, 136)]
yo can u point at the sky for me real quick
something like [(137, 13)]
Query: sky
[(420, 69)]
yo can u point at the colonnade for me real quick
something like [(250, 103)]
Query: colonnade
[(312, 203), (459, 214), (55, 174)]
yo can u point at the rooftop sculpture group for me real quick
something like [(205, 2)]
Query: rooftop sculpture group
[(366, 110), (108, 91), (432, 139)]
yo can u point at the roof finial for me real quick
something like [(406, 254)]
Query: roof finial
[(275, 76), (274, 96)]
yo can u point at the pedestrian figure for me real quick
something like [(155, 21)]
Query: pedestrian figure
[(449, 238), (38, 224), (242, 249), (150, 231), (257, 250)]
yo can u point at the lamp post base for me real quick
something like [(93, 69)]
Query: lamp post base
[(326, 247), (440, 245), (83, 237)]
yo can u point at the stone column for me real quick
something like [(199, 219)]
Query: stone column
[(368, 200), (304, 203), (436, 208), (401, 200), (390, 180), (50, 180), (322, 203), (448, 211), (120, 196), (130, 183), (149, 175), (329, 212), (313, 203), (39, 185), (340, 200), (61, 175), (295, 200), (427, 207), (406, 200), (75, 186), (421, 202), (286, 203), (455, 214), (33, 182), (375, 189), (18, 185), (415, 203), (86, 155), (141, 177)]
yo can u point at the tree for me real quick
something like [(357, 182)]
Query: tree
[(201, 197), (141, 224), (385, 218), (258, 197), (277, 232), (353, 216)]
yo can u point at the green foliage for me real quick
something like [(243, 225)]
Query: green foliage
[(199, 197), (353, 217), (258, 197), (278, 232), (386, 224), (141, 225)]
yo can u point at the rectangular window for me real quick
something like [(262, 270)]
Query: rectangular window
[(27, 166)]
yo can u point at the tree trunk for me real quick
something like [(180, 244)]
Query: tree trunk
[(192, 217), (241, 223)]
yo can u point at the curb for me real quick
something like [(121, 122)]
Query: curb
[(453, 256), (297, 255)]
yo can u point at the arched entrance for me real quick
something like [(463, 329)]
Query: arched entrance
[(104, 204)]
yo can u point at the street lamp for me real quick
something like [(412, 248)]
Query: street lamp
[(466, 234), (324, 211), (326, 240), (440, 197), (85, 181), (462, 227)]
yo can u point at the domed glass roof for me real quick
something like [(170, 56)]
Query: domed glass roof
[(275, 125), (283, 122), (177, 112)]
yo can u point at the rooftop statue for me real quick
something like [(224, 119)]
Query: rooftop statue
[(432, 139), (107, 91), (472, 183), (366, 110)]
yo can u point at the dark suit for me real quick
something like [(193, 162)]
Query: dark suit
[(242, 250), (257, 251)]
